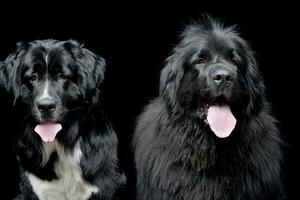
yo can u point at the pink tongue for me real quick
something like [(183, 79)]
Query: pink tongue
[(221, 120), (48, 131)]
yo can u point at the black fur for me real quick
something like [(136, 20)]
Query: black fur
[(177, 156), (75, 75)]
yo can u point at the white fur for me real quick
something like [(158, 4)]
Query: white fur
[(45, 94), (46, 59), (69, 185)]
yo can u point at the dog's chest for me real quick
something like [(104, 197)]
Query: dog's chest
[(69, 184)]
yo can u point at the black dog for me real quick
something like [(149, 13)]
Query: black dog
[(66, 148), (209, 134)]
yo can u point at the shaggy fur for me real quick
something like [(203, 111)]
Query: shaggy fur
[(177, 156), (83, 158)]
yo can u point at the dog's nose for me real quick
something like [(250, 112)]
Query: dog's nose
[(46, 106), (223, 76)]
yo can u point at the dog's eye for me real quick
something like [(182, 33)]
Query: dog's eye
[(80, 56), (232, 57), (234, 60), (33, 78), (61, 76), (200, 60)]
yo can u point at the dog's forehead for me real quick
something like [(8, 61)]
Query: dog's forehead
[(47, 56), (219, 43), (213, 43)]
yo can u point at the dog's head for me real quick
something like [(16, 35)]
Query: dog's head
[(52, 78), (212, 71)]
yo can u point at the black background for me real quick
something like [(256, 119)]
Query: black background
[(135, 39)]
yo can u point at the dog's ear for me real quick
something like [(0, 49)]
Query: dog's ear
[(91, 70), (170, 79), (10, 73), (255, 83)]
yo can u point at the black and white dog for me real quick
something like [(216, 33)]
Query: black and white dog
[(66, 148)]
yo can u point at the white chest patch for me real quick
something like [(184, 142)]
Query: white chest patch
[(69, 185)]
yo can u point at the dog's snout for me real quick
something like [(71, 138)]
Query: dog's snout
[(223, 75), (46, 106)]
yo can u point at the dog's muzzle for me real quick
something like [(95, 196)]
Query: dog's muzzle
[(46, 106), (222, 76)]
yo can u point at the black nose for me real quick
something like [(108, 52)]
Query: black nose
[(46, 106), (223, 76)]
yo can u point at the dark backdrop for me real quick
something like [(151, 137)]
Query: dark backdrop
[(135, 39)]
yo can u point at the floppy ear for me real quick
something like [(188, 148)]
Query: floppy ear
[(91, 70), (170, 79), (10, 73), (255, 85)]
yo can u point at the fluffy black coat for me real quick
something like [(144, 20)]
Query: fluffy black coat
[(177, 156), (76, 89)]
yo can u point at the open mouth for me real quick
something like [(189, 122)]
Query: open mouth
[(48, 131), (219, 117)]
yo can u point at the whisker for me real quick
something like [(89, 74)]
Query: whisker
[(242, 91), (71, 110), (26, 116), (77, 108)]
